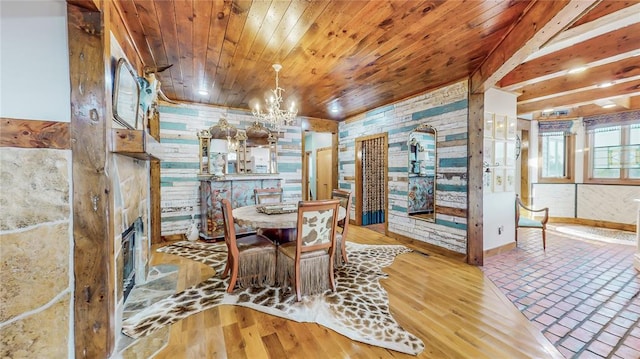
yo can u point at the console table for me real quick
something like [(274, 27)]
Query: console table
[(238, 189)]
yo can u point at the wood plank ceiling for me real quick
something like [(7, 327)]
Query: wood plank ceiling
[(341, 58)]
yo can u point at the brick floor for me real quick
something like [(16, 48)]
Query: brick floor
[(584, 295)]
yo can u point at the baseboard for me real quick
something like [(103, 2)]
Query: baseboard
[(425, 247), (173, 238), (594, 223), (499, 250)]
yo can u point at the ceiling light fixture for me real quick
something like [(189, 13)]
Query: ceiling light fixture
[(203, 92), (605, 84), (609, 105), (547, 110), (576, 70), (274, 116)]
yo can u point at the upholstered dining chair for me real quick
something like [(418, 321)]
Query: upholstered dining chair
[(267, 195), (307, 263), (524, 222), (251, 259), (340, 257)]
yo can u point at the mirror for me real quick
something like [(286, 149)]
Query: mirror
[(235, 151), (126, 95), (422, 173)]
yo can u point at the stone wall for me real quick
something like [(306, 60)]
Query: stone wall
[(179, 182), (36, 237), (446, 110)]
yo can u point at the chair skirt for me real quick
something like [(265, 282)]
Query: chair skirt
[(314, 270), (257, 267)]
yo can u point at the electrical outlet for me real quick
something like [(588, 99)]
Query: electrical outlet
[(500, 229)]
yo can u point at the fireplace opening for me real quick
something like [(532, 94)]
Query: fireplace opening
[(129, 238)]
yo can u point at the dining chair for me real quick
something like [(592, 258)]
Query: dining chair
[(524, 222), (267, 195), (251, 259), (308, 262), (270, 195), (340, 257)]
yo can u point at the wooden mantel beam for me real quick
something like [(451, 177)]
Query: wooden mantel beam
[(539, 24)]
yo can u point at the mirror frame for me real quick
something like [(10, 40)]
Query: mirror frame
[(412, 141), (126, 91)]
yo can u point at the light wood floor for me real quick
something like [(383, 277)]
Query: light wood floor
[(451, 306)]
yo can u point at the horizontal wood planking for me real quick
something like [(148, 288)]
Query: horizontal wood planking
[(179, 183), (34, 134), (446, 110)]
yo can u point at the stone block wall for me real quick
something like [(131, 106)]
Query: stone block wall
[(36, 241), (179, 182), (446, 109)]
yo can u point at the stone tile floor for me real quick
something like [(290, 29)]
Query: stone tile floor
[(584, 295)]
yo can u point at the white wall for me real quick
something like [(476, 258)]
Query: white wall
[(34, 66), (498, 208)]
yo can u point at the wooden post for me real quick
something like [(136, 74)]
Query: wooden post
[(88, 34), (475, 241)]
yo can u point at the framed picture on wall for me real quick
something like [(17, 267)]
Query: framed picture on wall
[(488, 124), (500, 127), (510, 180), (510, 160), (512, 128), (487, 180), (498, 180), (499, 153), (487, 152)]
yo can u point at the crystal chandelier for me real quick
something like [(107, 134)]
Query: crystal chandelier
[(274, 116)]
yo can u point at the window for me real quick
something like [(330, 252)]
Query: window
[(614, 151), (555, 151)]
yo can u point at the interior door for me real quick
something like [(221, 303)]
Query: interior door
[(324, 177)]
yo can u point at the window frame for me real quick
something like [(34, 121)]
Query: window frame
[(588, 160), (569, 155)]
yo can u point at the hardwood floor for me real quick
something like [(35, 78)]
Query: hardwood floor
[(451, 306)]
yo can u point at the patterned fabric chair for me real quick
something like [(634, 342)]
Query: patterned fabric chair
[(308, 262), (250, 259), (267, 195), (524, 222), (340, 257)]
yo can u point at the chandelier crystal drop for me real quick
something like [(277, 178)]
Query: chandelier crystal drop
[(274, 116)]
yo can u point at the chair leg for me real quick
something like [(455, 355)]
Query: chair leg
[(544, 239), (227, 267), (234, 277), (297, 280), (516, 236), (332, 282)]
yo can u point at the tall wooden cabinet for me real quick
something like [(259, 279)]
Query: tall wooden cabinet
[(238, 190)]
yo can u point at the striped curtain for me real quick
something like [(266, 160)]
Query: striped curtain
[(373, 186)]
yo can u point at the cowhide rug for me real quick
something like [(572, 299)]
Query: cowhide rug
[(359, 309)]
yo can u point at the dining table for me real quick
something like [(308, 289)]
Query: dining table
[(279, 223)]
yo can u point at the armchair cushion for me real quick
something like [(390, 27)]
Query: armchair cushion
[(526, 222)]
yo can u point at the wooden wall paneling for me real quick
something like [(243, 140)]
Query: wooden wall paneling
[(88, 33), (122, 34), (34, 134), (475, 240), (154, 177)]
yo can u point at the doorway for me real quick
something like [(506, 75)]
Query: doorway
[(371, 181), (324, 178), (319, 164)]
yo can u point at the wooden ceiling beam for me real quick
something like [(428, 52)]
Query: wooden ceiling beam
[(599, 50), (617, 72), (542, 21), (631, 88), (589, 110)]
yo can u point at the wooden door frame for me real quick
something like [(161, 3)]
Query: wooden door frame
[(334, 181), (305, 175), (359, 182), (321, 126)]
